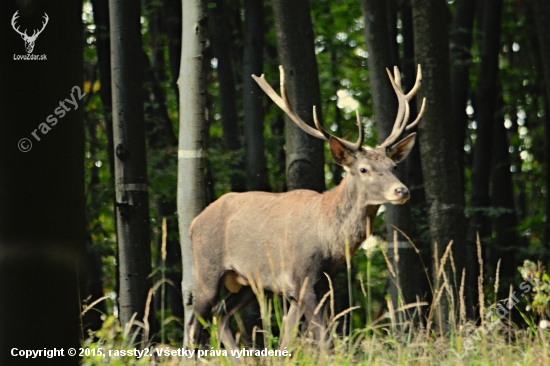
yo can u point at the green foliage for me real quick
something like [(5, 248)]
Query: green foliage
[(539, 299)]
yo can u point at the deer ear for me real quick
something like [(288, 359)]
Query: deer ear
[(339, 153), (401, 150)]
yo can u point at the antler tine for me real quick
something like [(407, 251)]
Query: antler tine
[(401, 105), (349, 145), (418, 117), (397, 77), (13, 19), (264, 85), (44, 23), (417, 84), (403, 111), (283, 103)]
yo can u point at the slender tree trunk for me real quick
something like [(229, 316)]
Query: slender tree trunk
[(304, 153), (413, 166), (485, 117), (103, 46), (256, 169), (381, 46), (172, 11), (542, 18), (42, 218), (461, 59), (502, 198), (441, 175), (221, 44), (94, 276), (193, 122), (132, 198)]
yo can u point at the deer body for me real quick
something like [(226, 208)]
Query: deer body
[(259, 235), (287, 242)]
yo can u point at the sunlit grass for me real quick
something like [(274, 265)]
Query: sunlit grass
[(409, 335)]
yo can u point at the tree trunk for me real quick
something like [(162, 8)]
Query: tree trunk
[(485, 117), (221, 43), (304, 153), (103, 46), (461, 59), (381, 46), (441, 175), (172, 11), (94, 276), (542, 18), (132, 198), (256, 169), (502, 198), (193, 122), (42, 219)]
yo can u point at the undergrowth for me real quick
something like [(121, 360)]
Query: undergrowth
[(413, 334)]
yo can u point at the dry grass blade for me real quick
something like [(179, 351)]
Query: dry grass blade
[(461, 298), (129, 325), (412, 305), (88, 307), (497, 279), (390, 267), (481, 298), (343, 313), (145, 337), (331, 295), (444, 260), (164, 237)]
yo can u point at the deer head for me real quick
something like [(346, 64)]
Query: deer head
[(372, 171), (29, 40)]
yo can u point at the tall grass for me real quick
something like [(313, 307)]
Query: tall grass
[(419, 338)]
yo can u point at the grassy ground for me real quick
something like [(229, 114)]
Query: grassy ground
[(396, 338)]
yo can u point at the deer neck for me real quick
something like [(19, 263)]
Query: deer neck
[(349, 217)]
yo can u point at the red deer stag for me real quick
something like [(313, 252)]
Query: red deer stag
[(286, 242)]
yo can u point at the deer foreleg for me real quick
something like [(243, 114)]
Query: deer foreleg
[(233, 303), (314, 316), (290, 323)]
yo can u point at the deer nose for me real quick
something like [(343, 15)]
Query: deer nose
[(402, 192)]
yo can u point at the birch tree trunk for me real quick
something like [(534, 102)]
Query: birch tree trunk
[(193, 122), (132, 198)]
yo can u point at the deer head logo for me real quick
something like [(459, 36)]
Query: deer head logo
[(29, 40)]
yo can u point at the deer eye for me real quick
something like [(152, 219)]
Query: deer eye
[(363, 170)]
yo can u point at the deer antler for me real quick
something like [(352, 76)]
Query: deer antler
[(36, 33), (319, 133), (13, 19), (403, 111)]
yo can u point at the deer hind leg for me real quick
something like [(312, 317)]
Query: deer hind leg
[(205, 298), (233, 303)]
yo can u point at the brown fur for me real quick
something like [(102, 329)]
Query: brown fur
[(283, 242)]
